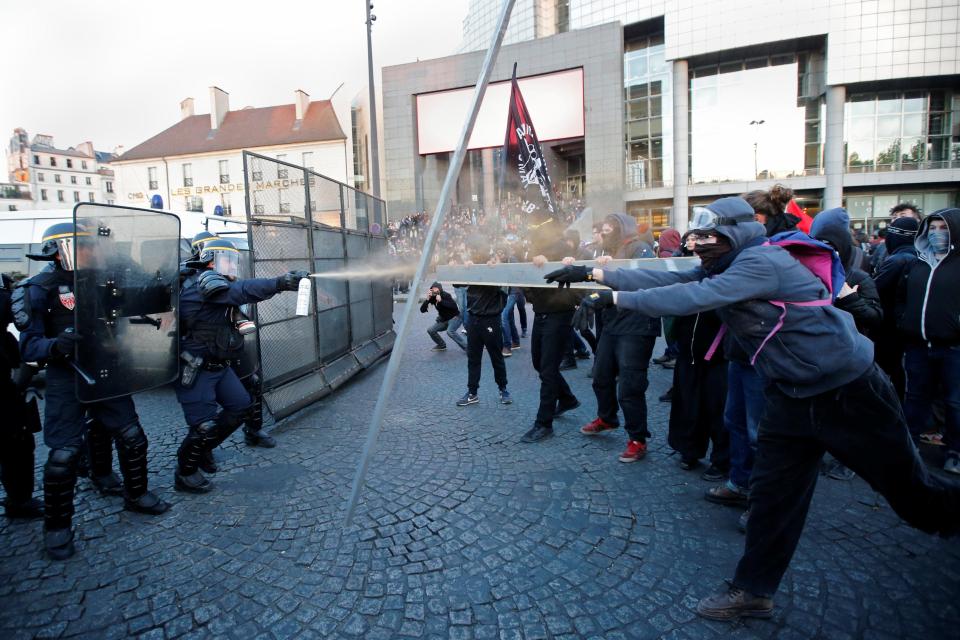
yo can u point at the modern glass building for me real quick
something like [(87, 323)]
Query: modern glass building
[(853, 103)]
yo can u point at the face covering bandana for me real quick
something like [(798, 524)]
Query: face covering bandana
[(710, 254), (939, 241)]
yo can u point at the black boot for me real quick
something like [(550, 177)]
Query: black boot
[(132, 454), (207, 462), (59, 484), (100, 458), (16, 474), (258, 439), (30, 509), (253, 433), (187, 477)]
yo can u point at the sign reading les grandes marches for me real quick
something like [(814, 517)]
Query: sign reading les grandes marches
[(525, 172)]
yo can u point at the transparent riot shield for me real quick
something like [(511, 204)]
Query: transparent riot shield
[(126, 289)]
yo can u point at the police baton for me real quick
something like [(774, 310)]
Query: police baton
[(83, 374)]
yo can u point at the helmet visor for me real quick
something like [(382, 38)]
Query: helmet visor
[(65, 248), (227, 262)]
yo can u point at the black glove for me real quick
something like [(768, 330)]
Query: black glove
[(570, 273), (65, 343), (290, 281), (584, 318), (598, 300)]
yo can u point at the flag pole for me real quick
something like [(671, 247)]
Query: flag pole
[(443, 204)]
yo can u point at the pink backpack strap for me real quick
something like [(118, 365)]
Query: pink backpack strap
[(783, 314), (716, 343)]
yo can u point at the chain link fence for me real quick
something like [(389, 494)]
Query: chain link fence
[(299, 219)]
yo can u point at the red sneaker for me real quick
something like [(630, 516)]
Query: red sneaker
[(597, 426), (635, 450)]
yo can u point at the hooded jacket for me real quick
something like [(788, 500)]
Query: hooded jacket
[(817, 349), (447, 308), (669, 243), (900, 255), (928, 304), (624, 322), (833, 227)]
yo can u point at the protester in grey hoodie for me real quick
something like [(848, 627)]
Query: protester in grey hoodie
[(825, 394)]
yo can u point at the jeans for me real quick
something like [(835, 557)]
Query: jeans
[(548, 343), (620, 373), (741, 417), (933, 372), (460, 293), (576, 344), (484, 332), (451, 329), (862, 426), (510, 335)]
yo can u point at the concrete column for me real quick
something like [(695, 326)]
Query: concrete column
[(833, 147), (489, 202), (679, 216)]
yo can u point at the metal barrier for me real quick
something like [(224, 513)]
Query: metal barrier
[(299, 219)]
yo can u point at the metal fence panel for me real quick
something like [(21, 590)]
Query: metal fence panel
[(299, 219)]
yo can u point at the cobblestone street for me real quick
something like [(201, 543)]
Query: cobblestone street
[(463, 533)]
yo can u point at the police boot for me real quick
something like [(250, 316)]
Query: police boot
[(207, 463), (59, 483), (29, 509), (226, 423), (253, 433), (16, 474), (187, 477), (100, 457), (132, 454)]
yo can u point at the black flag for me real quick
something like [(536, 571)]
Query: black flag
[(524, 168)]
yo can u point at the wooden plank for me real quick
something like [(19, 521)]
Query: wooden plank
[(526, 274)]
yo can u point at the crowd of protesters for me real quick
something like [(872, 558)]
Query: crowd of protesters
[(901, 299)]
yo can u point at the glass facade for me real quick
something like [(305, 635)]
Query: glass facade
[(648, 110), (756, 118), (871, 211), (902, 130)]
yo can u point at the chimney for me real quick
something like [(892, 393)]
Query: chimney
[(186, 108), (302, 101), (219, 105), (86, 148)]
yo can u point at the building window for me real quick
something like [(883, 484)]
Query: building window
[(110, 201), (282, 172), (76, 196), (11, 207), (90, 197), (194, 203), (73, 179), (88, 180), (53, 161), (308, 159), (152, 178), (41, 177), (256, 173), (43, 194), (109, 187), (901, 130), (60, 196), (188, 175), (36, 159), (224, 171), (83, 164), (56, 178), (225, 203), (69, 163), (649, 113)]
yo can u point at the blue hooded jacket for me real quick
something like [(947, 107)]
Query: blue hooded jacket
[(817, 349)]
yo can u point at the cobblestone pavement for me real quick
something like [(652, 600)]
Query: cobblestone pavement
[(464, 533)]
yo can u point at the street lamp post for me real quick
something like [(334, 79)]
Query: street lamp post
[(374, 145), (756, 169)]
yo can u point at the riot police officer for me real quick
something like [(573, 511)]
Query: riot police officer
[(43, 312), (21, 420), (214, 401)]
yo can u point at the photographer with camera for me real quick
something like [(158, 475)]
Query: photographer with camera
[(447, 310)]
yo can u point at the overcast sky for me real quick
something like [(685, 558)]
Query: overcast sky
[(115, 71)]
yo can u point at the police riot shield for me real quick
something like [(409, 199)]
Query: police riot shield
[(126, 290)]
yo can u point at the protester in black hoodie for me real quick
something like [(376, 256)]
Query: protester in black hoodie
[(900, 255), (928, 314), (447, 310)]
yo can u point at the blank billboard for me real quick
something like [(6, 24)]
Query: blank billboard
[(555, 101)]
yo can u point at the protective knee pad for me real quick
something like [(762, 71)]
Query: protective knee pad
[(226, 423), (99, 449), (199, 439), (132, 452), (59, 482)]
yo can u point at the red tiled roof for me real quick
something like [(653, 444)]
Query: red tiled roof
[(263, 127)]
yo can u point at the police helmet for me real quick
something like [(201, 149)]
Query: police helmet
[(58, 240), (199, 240), (224, 256)]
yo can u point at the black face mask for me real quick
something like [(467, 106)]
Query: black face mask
[(711, 254), (781, 223)]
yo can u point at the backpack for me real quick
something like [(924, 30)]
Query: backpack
[(819, 258)]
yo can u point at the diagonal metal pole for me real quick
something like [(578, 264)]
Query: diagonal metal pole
[(443, 204)]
